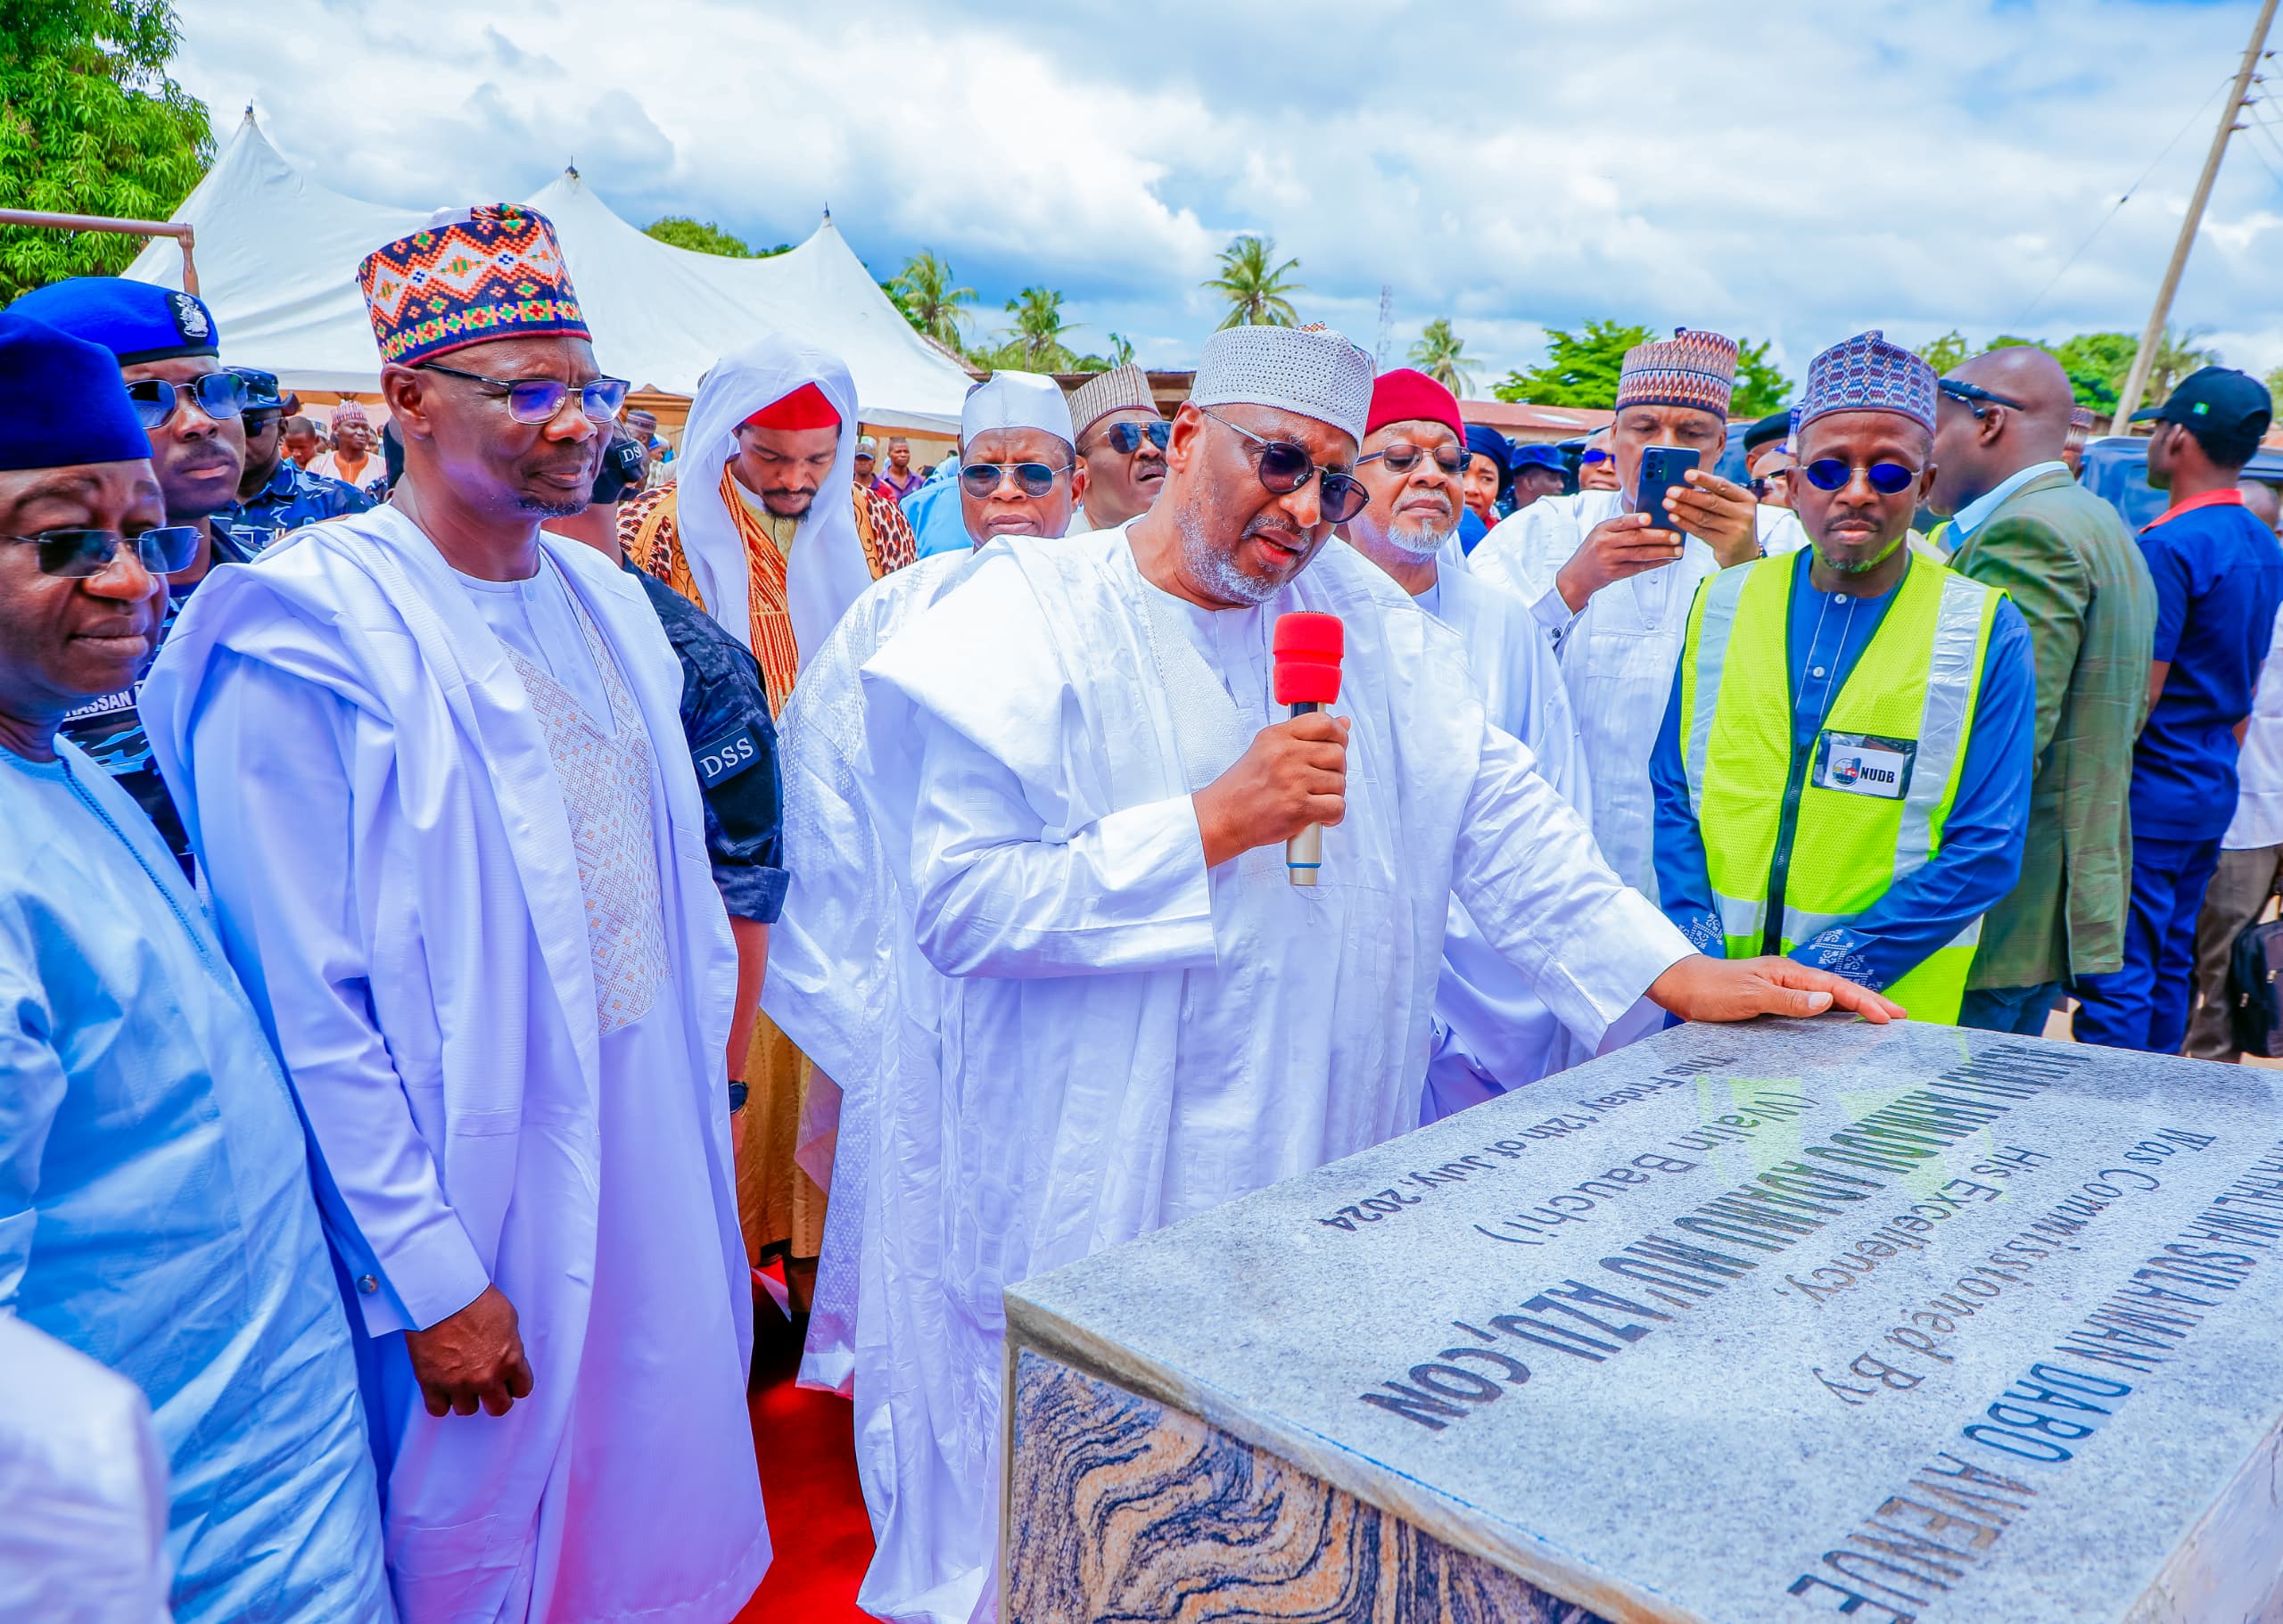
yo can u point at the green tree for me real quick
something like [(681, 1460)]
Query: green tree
[(1121, 351), (1761, 387), (2178, 354), (2096, 363), (1945, 352), (1253, 286), (704, 237), (1034, 343), (1580, 368), (931, 301), (90, 123), (1441, 354)]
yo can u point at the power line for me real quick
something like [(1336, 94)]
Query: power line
[(2022, 320)]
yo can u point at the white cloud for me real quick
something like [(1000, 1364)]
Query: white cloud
[(1792, 170)]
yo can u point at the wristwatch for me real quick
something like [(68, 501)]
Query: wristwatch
[(736, 1098)]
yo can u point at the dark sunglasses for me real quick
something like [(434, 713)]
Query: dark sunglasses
[(1126, 438), (981, 479), (219, 394), (539, 399), (1401, 456), (1974, 396), (1284, 467), (1887, 478), (77, 554), (1593, 456), (1761, 485)]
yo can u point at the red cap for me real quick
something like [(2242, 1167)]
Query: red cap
[(805, 408), (1408, 396), (1308, 647)]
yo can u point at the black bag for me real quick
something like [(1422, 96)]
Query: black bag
[(2255, 998)]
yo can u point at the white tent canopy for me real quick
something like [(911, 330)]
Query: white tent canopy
[(277, 257)]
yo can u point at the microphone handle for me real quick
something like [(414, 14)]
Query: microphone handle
[(1303, 852)]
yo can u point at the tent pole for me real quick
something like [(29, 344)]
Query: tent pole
[(96, 222)]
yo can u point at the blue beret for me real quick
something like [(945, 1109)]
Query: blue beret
[(61, 402), (1536, 456), (134, 320)]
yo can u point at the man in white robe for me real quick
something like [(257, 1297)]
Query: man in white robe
[(432, 767), (1613, 593), (847, 982), (1492, 1032), (1144, 1017)]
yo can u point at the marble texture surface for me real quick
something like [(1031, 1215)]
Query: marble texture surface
[(1125, 1509), (1762, 1323)]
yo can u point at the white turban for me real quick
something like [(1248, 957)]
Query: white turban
[(825, 569), (1008, 400), (1313, 371)]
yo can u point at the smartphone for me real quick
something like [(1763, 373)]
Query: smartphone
[(1661, 470)]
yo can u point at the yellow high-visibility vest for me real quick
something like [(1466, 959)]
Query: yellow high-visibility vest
[(1798, 840)]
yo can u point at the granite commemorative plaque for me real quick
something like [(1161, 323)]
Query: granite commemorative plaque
[(1910, 1325)]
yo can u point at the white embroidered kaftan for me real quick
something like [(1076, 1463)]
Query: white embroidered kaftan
[(474, 910), (1128, 1037)]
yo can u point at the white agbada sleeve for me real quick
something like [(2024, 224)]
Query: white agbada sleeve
[(82, 1488), (1001, 894), (288, 911), (1528, 873), (1526, 551)]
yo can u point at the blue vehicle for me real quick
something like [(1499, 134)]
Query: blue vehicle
[(2116, 466)]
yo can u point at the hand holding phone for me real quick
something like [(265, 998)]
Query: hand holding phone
[(1663, 469)]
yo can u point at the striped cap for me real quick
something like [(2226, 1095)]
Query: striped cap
[(1867, 374), (1692, 368)]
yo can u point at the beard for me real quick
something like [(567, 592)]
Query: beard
[(1217, 570), (567, 508), (1421, 541)]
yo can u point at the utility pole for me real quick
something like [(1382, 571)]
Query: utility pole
[(2144, 360)]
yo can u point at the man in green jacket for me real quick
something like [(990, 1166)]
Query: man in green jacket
[(2020, 520)]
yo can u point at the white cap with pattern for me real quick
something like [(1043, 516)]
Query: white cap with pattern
[(1121, 389), (1313, 371), (1010, 400)]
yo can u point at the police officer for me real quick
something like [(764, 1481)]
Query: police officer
[(275, 497), (1844, 773)]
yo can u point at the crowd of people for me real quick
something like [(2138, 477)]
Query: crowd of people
[(475, 891)]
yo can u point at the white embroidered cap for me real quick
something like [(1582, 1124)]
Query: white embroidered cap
[(1009, 399), (1121, 389), (1313, 371)]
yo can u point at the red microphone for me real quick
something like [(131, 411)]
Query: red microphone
[(1308, 647)]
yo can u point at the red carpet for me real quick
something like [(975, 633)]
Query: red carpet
[(817, 1524)]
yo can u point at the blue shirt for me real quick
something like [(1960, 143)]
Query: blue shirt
[(2219, 574), (1471, 529), (155, 1207), (933, 512), (1981, 857), (291, 498)]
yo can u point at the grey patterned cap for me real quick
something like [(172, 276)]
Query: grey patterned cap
[(1313, 371), (1121, 389)]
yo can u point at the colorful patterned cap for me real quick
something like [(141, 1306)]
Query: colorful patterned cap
[(493, 271), (1867, 374), (1690, 368)]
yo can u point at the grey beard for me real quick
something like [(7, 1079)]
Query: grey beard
[(1217, 572), (1420, 543)]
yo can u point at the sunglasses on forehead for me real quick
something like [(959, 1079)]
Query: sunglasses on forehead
[(219, 394), (1977, 399), (79, 554), (1284, 467), (1887, 478)]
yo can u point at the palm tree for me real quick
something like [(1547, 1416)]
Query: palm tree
[(1441, 354), (931, 300), (1038, 331), (2177, 355), (1121, 350), (1253, 286)]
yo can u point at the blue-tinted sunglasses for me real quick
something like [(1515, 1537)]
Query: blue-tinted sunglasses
[(219, 394), (1887, 478)]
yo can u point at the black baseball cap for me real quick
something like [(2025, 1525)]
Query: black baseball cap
[(1775, 427), (2215, 401)]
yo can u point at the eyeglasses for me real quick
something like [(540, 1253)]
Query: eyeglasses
[(1887, 478), (1761, 485), (1284, 467), (1401, 456), (77, 554), (1593, 456), (219, 394), (981, 479), (1973, 394), (1126, 438), (539, 399)]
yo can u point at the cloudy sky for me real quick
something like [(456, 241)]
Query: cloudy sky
[(1784, 169)]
